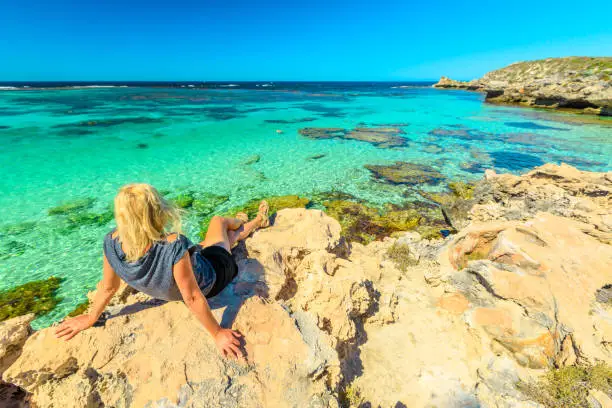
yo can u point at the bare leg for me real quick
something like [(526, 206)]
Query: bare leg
[(218, 232), (225, 232), (244, 231)]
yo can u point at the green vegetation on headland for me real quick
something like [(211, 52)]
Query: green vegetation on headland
[(572, 84), (569, 386), (38, 297)]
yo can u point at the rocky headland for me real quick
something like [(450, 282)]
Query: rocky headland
[(581, 84), (514, 310)]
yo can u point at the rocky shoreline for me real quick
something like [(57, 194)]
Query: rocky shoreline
[(579, 84), (478, 319)]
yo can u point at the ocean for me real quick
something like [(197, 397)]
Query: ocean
[(243, 141)]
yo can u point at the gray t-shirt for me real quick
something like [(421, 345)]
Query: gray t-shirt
[(152, 273)]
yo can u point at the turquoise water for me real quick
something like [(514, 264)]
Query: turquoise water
[(199, 139)]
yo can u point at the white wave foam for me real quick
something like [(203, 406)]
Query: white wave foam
[(7, 88), (94, 86), (229, 85)]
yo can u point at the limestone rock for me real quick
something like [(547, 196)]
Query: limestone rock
[(161, 356), (294, 300), (446, 82), (578, 83), (13, 334), (561, 190), (522, 279), (524, 286)]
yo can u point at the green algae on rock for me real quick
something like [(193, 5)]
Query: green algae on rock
[(406, 173), (12, 248), (569, 386), (90, 218), (364, 224), (80, 309), (251, 160), (183, 200), (462, 189), (105, 123), (206, 203), (17, 229), (454, 203), (38, 297), (202, 203), (71, 206), (318, 199)]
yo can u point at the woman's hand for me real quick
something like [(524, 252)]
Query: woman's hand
[(228, 343), (71, 327)]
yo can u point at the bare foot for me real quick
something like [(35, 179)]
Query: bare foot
[(242, 217), (262, 215)]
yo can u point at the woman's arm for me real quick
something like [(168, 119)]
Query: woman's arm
[(107, 287), (228, 341)]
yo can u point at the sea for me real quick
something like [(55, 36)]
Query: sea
[(76, 144)]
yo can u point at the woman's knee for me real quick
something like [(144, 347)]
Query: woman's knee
[(217, 219)]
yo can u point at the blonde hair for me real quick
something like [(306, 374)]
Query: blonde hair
[(142, 217)]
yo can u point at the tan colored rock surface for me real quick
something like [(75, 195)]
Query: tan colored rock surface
[(13, 335), (528, 275), (161, 356), (151, 353), (526, 285), (561, 190), (448, 83)]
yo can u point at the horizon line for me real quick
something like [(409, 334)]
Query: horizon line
[(211, 81)]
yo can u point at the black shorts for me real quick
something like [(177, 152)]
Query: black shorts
[(224, 265)]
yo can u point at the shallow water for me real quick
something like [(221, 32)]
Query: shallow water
[(63, 145)]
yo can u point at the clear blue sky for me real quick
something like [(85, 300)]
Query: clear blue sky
[(289, 40)]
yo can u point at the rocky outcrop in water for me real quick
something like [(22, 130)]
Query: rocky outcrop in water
[(403, 321), (447, 83), (581, 83)]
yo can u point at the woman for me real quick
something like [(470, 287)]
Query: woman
[(166, 265)]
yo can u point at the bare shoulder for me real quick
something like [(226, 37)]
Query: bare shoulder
[(172, 237)]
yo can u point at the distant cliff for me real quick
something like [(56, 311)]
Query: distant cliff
[(582, 83)]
